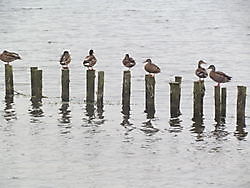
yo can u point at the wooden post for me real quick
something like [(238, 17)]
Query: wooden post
[(197, 103), (90, 86), (65, 85), (36, 81), (174, 99), (223, 102), (126, 88), (179, 80), (33, 85), (217, 104), (9, 87), (150, 95), (202, 90), (100, 89), (241, 104)]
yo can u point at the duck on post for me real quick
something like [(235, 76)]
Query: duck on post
[(200, 71), (8, 57), (217, 76), (65, 60), (128, 62), (90, 60), (151, 68)]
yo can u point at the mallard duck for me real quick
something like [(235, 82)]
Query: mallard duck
[(200, 71), (90, 60), (151, 68), (217, 76), (8, 57), (128, 61), (65, 60)]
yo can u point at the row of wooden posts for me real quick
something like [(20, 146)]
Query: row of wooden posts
[(175, 93)]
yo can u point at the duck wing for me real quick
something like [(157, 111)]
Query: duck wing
[(152, 68), (201, 73), (222, 74)]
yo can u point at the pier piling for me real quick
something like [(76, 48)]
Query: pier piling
[(150, 95), (126, 88), (174, 99), (223, 102), (198, 93), (241, 105), (9, 87), (100, 89), (90, 98), (65, 85), (217, 104)]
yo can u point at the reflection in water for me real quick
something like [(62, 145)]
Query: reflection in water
[(36, 110), (9, 111), (148, 128), (220, 132), (126, 114), (90, 113), (65, 113), (240, 132), (150, 113), (175, 125), (198, 128)]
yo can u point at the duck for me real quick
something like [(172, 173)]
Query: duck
[(217, 76), (65, 59), (8, 57), (90, 60), (128, 61), (200, 71), (151, 68)]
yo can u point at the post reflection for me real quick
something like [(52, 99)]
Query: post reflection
[(126, 115), (175, 125), (148, 128), (64, 111), (9, 111), (220, 131), (240, 132), (36, 110), (198, 128)]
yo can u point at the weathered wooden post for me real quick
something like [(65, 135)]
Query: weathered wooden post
[(9, 87), (241, 105), (90, 86), (65, 85), (33, 84), (36, 84), (100, 89), (150, 95), (178, 79), (217, 104), (174, 99), (197, 103), (126, 88), (223, 102)]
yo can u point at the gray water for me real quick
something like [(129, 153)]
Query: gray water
[(65, 145)]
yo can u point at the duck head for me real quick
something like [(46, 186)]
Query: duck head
[(148, 61), (91, 52), (201, 62), (212, 67), (66, 52)]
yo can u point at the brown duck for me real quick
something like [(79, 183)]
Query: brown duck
[(200, 71), (128, 61), (65, 60), (151, 68), (90, 60), (217, 76), (8, 57)]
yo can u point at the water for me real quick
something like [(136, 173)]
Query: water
[(60, 145)]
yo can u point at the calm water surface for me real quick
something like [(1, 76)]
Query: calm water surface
[(68, 145)]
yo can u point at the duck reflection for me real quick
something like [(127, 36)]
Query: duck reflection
[(64, 111), (9, 111)]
